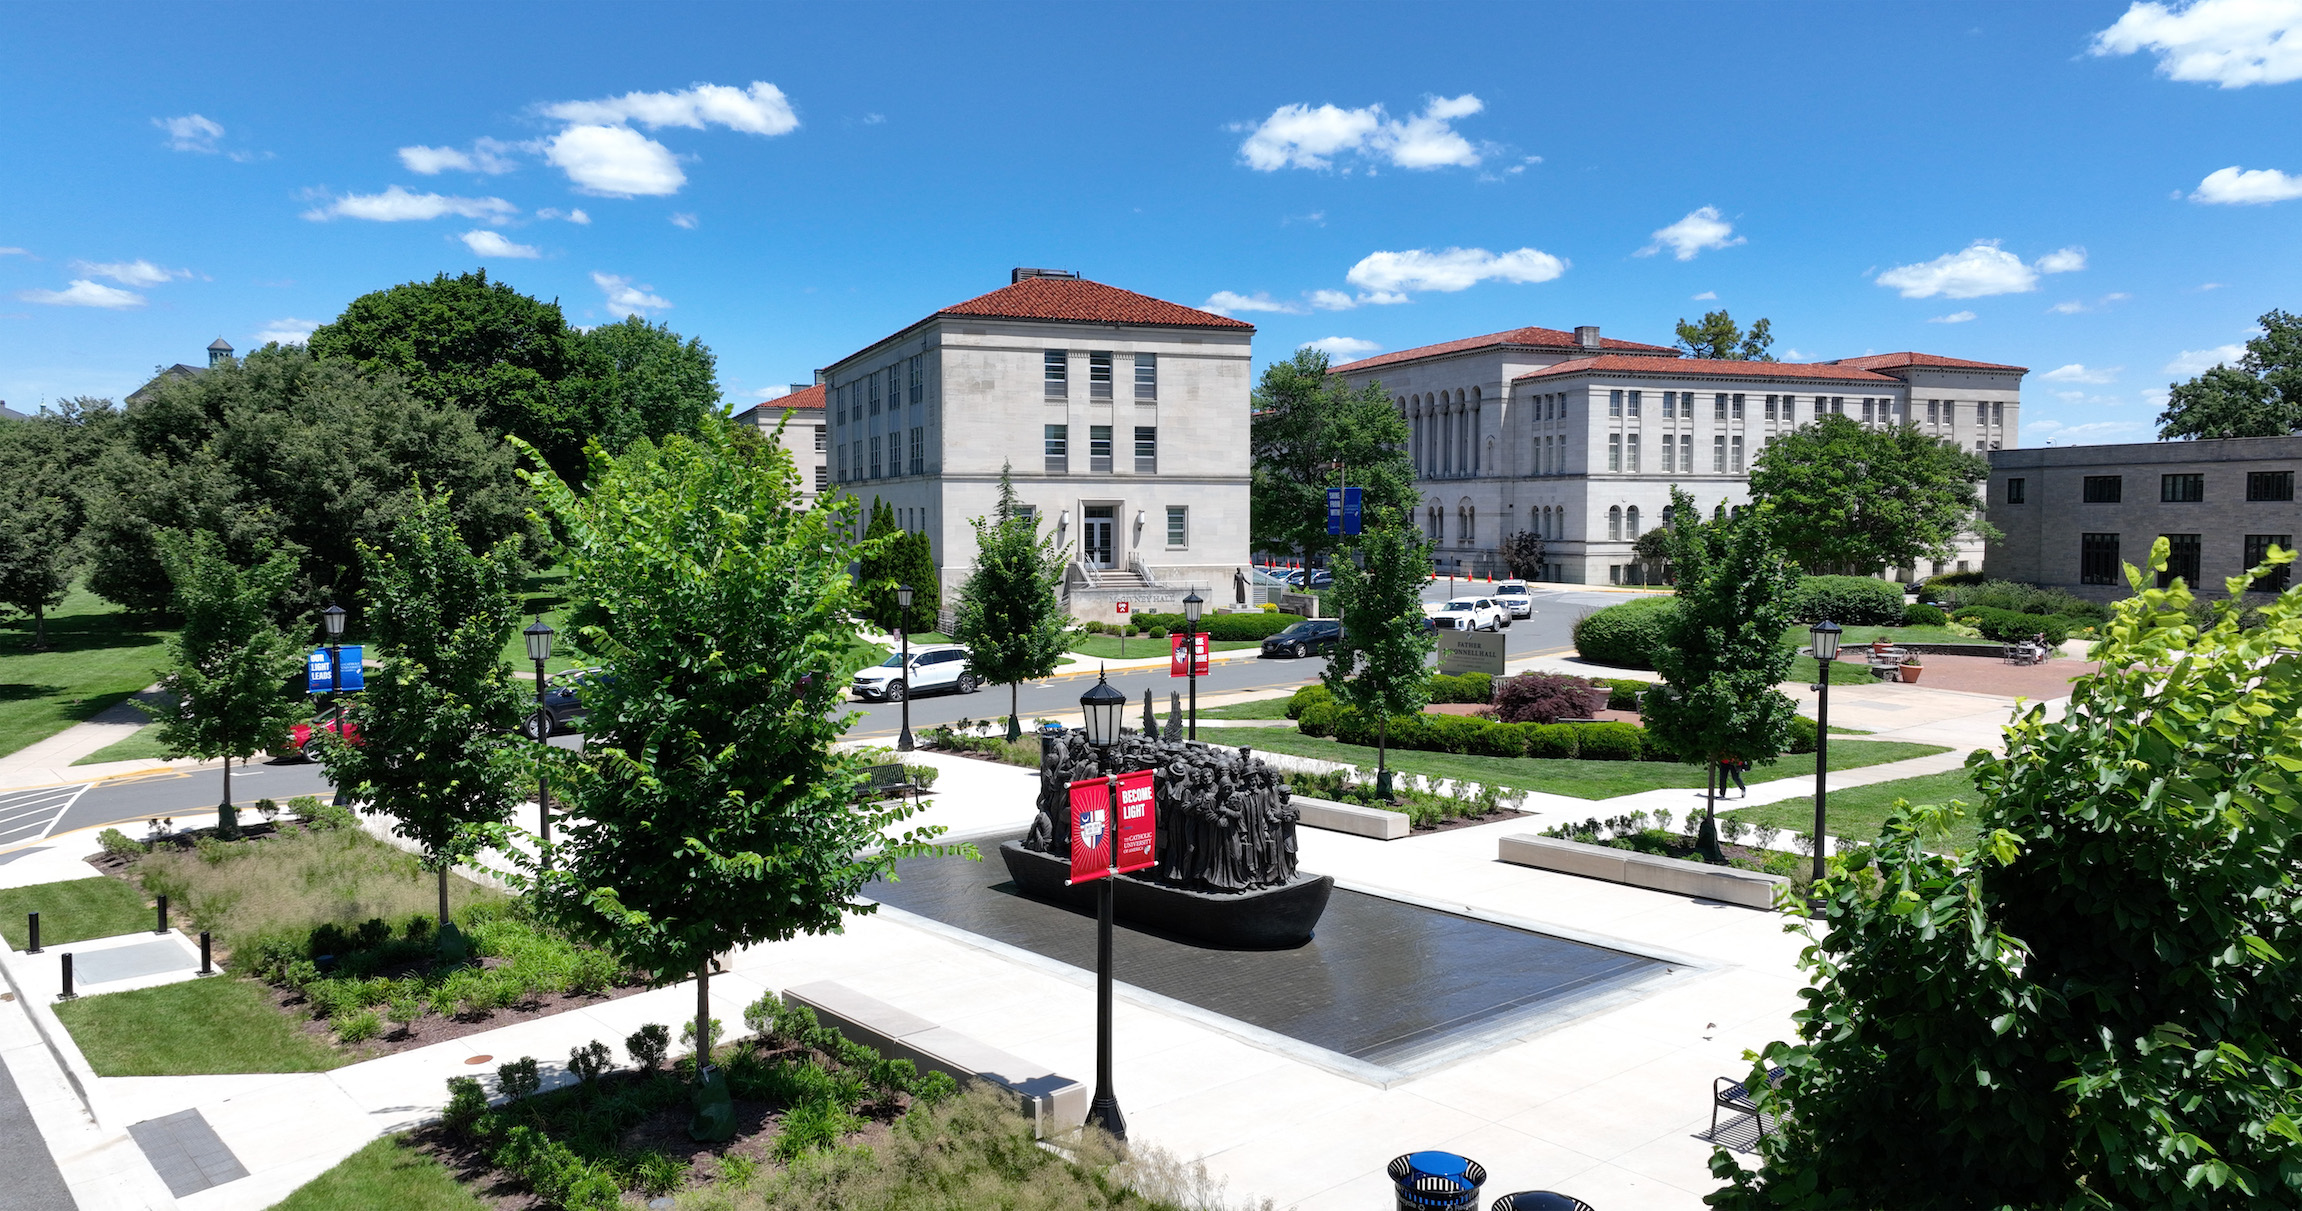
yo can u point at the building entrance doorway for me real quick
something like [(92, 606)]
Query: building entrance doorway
[(1095, 543)]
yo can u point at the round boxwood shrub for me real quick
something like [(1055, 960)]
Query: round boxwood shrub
[(1919, 614), (1307, 697), (1624, 635), (1606, 741), (1847, 601)]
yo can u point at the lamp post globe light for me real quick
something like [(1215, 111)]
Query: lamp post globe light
[(1825, 635), (903, 633), (539, 640), (1192, 605), (1104, 708)]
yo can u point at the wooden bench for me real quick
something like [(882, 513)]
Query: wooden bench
[(1727, 1093), (1056, 1104)]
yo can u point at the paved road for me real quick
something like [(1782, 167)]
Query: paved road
[(33, 1182)]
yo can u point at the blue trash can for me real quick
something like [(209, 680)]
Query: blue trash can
[(1431, 1181), (1539, 1200)]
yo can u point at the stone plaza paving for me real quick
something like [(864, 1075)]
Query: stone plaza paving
[(1602, 1092)]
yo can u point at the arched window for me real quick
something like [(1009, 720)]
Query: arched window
[(1615, 523), (1631, 522), (1470, 528)]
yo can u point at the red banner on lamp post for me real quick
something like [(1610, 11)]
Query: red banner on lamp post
[(1137, 823), (1175, 656), (1090, 829)]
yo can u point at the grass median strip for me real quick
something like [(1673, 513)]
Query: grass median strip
[(1859, 813), (1263, 708), (195, 1028), (1559, 776), (74, 911), (143, 744)]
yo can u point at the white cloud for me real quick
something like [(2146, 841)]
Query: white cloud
[(2235, 186), (1707, 296), (624, 297), (760, 110), (1386, 274), (2077, 373), (2199, 361), (1333, 300), (2063, 260), (616, 161), (397, 205), (84, 293), (493, 244), (2047, 430), (1341, 348), (2073, 307), (191, 133), (1702, 228), (684, 219), (13, 251), (289, 331), (131, 273), (2081, 306), (573, 216), (1383, 298), (2202, 287), (1224, 302), (2231, 43), (1977, 271), (486, 156), (1299, 136), (1955, 317)]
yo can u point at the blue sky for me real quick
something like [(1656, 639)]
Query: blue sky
[(2105, 193)]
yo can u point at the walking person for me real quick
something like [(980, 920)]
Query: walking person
[(1733, 768)]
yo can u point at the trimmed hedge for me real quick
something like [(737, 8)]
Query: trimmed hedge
[(1847, 600), (2015, 597), (1225, 628), (1473, 688), (1474, 737), (1622, 692), (1625, 635), (1919, 614), (2006, 626)]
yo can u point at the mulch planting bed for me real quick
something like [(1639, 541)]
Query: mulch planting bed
[(431, 1028), (1449, 825)]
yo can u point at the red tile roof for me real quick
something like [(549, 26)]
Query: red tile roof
[(803, 399), (1531, 338), (1704, 367), (1077, 300), (1881, 361)]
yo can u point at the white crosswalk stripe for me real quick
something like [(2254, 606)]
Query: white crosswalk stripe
[(28, 815)]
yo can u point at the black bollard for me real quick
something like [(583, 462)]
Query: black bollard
[(68, 993), (162, 927), (207, 966), (33, 920)]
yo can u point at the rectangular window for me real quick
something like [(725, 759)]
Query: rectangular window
[(1614, 451), (1029, 514), (821, 439), (1146, 450), (1837, 405), (2257, 550), (2181, 489), (2100, 489), (1718, 454), (2097, 559), (1790, 408), (1670, 405), (1670, 454), (1933, 411), (1058, 449), (1737, 447), (1178, 526), (918, 450), (1998, 414), (1770, 406), (1147, 376), (1058, 373), (1634, 453), (1634, 403), (1738, 407), (1614, 403), (822, 478), (843, 461), (1718, 406), (875, 458), (918, 377), (874, 381), (1099, 448), (2181, 560), (2015, 489), (1866, 414), (1687, 453), (2269, 485), (1099, 376)]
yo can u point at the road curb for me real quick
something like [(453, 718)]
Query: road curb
[(77, 1073)]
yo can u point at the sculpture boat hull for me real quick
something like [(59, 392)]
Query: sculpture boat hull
[(1271, 918)]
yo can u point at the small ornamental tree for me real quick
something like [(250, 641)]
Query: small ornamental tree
[(1377, 666), (1722, 652), (438, 751), (711, 810), (1523, 554), (227, 664), (2093, 1005), (1009, 617)]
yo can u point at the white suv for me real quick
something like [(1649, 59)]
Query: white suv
[(1512, 595), (935, 669), (1469, 614)]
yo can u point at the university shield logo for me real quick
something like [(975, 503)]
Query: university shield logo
[(1091, 822)]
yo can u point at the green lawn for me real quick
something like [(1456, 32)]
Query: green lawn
[(386, 1173), (196, 1028), (1797, 635), (1558, 776), (1266, 708), (141, 745), (97, 656), (73, 911), (543, 592), (1859, 813), (1139, 648)]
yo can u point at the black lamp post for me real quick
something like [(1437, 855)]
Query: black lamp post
[(539, 637), (1825, 635), (333, 619), (1104, 707), (1191, 607), (903, 633)]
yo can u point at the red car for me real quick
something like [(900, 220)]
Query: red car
[(304, 738)]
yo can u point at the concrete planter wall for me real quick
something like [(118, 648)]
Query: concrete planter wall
[(1380, 823), (1732, 885)]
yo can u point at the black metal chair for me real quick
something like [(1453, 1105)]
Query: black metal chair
[(1540, 1200), (1731, 1094)]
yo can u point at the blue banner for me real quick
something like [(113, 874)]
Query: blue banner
[(1334, 510), (319, 670), (1343, 510)]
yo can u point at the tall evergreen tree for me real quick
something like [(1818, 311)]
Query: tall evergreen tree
[(228, 662), (1377, 666), (877, 565), (915, 566), (1718, 336), (1311, 433), (1009, 616)]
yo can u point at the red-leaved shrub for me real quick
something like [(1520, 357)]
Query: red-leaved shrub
[(1547, 698)]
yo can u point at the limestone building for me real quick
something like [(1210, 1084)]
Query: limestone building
[(1579, 437), (2073, 516), (804, 434), (1124, 419)]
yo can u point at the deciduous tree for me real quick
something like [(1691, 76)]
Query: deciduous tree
[(1523, 554), (2259, 397), (1377, 666), (1850, 498), (229, 660), (1009, 616), (1718, 336), (1309, 433)]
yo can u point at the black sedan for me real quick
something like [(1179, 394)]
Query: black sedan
[(1314, 635), (562, 705)]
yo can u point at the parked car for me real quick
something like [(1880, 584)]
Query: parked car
[(1512, 595), (1319, 578), (1469, 614), (1312, 635), (563, 702), (935, 669), (304, 738)]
